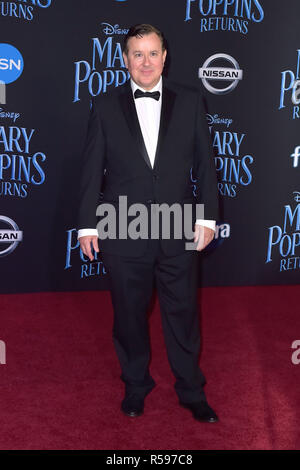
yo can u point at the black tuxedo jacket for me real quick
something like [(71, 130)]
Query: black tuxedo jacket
[(116, 163)]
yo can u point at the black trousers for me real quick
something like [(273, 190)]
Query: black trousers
[(131, 284)]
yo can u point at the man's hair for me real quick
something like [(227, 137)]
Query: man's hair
[(140, 30)]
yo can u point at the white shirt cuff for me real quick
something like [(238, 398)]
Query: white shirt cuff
[(207, 223), (84, 232)]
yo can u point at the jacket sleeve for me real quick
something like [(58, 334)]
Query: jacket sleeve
[(204, 170), (92, 171)]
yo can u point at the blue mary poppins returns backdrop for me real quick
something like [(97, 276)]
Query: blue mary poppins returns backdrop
[(243, 55)]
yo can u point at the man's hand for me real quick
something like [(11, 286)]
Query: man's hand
[(203, 235), (86, 243)]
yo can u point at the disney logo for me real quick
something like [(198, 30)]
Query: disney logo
[(109, 30), (216, 120), (297, 196), (9, 115)]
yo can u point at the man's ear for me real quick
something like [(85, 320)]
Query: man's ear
[(125, 59), (164, 55)]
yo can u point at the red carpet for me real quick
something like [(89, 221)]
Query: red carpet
[(60, 386)]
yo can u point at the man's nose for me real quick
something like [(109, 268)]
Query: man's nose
[(146, 59)]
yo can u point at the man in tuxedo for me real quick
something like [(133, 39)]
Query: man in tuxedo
[(145, 141)]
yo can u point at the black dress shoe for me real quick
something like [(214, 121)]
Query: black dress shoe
[(132, 405), (201, 411)]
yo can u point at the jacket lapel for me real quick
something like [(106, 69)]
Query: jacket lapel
[(129, 110), (168, 100)]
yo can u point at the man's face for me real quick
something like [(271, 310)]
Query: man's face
[(145, 60)]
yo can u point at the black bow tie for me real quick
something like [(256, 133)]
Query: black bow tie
[(147, 94)]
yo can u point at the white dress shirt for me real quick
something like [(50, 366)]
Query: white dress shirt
[(148, 111)]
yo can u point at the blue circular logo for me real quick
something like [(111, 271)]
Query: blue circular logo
[(11, 63)]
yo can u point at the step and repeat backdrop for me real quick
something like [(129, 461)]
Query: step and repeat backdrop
[(245, 58)]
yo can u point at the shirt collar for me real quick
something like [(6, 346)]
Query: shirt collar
[(158, 86)]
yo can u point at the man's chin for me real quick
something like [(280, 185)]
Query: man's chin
[(148, 83)]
